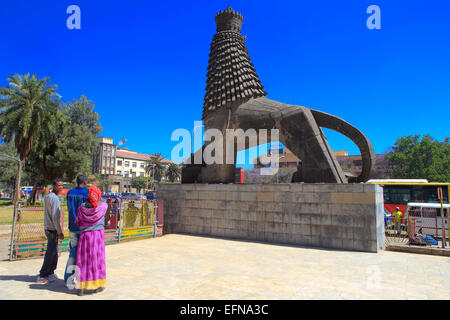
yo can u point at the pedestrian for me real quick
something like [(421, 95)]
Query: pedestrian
[(108, 213), (75, 198), (398, 220), (115, 214), (53, 232), (91, 245)]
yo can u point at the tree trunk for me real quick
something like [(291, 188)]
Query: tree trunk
[(32, 199), (16, 195), (16, 207)]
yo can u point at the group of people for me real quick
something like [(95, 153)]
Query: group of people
[(86, 268)]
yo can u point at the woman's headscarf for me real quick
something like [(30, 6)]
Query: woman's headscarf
[(94, 196)]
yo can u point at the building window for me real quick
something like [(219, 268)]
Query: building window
[(126, 174), (133, 174), (134, 164), (113, 151), (119, 162), (141, 174), (119, 173), (127, 163), (142, 165)]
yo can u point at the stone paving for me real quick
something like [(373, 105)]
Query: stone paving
[(179, 266)]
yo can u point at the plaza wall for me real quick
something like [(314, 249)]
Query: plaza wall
[(337, 216)]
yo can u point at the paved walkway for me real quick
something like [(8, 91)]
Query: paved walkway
[(190, 267)]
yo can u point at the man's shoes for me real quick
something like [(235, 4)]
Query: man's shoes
[(80, 292), (41, 280), (52, 277)]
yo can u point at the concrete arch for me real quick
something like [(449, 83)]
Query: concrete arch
[(329, 121)]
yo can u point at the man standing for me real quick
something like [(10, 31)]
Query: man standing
[(75, 198), (53, 232), (398, 220)]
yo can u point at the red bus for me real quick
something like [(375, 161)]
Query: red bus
[(398, 192), (40, 192), (239, 175)]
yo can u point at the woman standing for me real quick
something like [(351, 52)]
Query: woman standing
[(91, 246)]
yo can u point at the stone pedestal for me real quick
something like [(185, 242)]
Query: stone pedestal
[(336, 216)]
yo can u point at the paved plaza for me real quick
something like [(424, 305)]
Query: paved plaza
[(179, 266)]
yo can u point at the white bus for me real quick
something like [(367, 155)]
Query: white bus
[(428, 217)]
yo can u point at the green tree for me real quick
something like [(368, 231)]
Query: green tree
[(155, 167), (139, 183), (8, 168), (173, 172), (28, 106), (68, 151), (77, 141), (416, 158), (105, 183)]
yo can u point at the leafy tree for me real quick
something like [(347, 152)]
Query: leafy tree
[(105, 183), (426, 158), (139, 183), (94, 178), (28, 106), (67, 153), (173, 172), (77, 141), (8, 168), (155, 167)]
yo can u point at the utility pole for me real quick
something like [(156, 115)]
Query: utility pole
[(441, 197)]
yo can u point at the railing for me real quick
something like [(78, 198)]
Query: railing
[(424, 228), (125, 219)]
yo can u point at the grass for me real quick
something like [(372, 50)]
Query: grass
[(5, 202), (6, 216)]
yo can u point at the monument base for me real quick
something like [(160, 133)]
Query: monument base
[(336, 216)]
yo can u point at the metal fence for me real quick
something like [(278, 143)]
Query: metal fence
[(125, 219), (29, 236), (422, 227)]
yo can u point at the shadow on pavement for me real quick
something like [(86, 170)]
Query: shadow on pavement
[(23, 278), (55, 286)]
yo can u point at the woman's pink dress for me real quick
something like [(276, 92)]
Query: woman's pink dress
[(91, 247)]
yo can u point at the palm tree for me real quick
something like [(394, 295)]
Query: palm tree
[(155, 167), (26, 106), (173, 172)]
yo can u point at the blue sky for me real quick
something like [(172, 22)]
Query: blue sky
[(143, 63)]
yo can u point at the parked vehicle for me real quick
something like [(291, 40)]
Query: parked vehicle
[(428, 217), (398, 192), (111, 195), (150, 195), (131, 195)]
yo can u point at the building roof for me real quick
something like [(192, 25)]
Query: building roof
[(288, 156), (130, 154)]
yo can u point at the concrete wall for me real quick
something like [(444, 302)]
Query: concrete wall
[(340, 216)]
